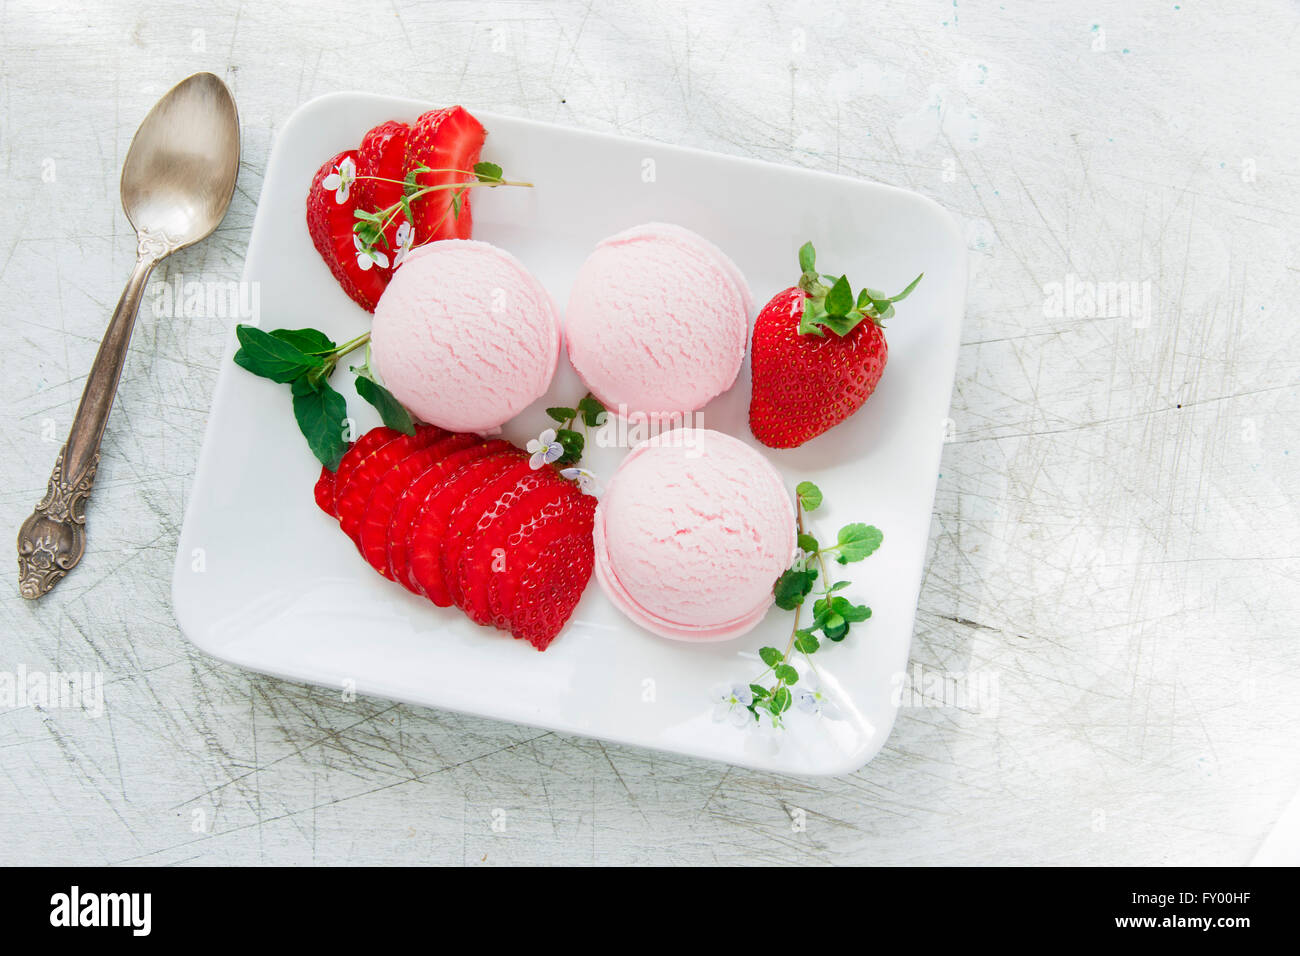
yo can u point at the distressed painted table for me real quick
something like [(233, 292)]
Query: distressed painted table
[(1113, 559)]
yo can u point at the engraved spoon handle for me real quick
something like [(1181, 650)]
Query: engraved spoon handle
[(53, 538)]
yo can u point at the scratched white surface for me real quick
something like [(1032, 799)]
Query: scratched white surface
[(1114, 538)]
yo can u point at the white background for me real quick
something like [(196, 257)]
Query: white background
[(1114, 538)]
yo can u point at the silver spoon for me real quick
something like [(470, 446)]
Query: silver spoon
[(177, 182)]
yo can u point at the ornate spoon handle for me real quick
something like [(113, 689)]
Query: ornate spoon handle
[(53, 538)]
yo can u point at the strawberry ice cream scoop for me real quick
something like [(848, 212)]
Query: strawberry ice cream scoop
[(691, 533), (464, 336), (657, 321)]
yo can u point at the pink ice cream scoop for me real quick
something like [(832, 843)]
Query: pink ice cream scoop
[(693, 530), (657, 321), (464, 336)]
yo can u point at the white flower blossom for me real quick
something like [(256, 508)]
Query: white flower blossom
[(587, 481), (368, 257), (544, 449), (340, 181)]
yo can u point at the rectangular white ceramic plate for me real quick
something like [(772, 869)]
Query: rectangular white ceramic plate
[(281, 591)]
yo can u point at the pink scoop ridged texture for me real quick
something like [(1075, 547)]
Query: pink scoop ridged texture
[(657, 321), (691, 533), (464, 336)]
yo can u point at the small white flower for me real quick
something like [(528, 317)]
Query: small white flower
[(544, 449), (368, 257), (340, 181), (405, 237), (811, 700), (587, 481), (731, 703)]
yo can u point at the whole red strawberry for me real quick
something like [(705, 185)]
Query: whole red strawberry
[(817, 355)]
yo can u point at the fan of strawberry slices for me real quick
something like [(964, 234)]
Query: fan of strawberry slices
[(425, 161), (466, 521)]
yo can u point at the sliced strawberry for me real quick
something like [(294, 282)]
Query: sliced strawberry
[(572, 514), (429, 530), (550, 588), (473, 518), (411, 503), (500, 546), (330, 224), (378, 514), (324, 491), (449, 140), (357, 453), (353, 495), (381, 168)]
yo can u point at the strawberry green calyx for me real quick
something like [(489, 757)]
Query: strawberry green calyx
[(829, 302)]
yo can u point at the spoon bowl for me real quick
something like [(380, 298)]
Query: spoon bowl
[(179, 173)]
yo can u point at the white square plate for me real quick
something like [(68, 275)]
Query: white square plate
[(263, 580)]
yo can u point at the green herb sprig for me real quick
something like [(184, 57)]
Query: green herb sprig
[(372, 224), (833, 613), (590, 413), (304, 359)]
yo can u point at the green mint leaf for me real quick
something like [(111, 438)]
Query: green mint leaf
[(263, 354), (770, 656), (908, 291), (849, 611), (807, 258), (857, 541), (781, 700), (572, 442), (758, 691), (593, 413), (792, 587), (391, 411), (836, 631), (821, 610), (487, 172), (839, 300), (810, 496), (806, 641), (307, 341), (561, 414), (321, 412), (786, 673), (808, 543)]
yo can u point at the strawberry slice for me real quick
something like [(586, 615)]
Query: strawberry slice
[(445, 139), (324, 491), (491, 505), (550, 588), (378, 514), (429, 531), (499, 546), (330, 223), (381, 167), (352, 495), (411, 503), (357, 452), (573, 514)]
